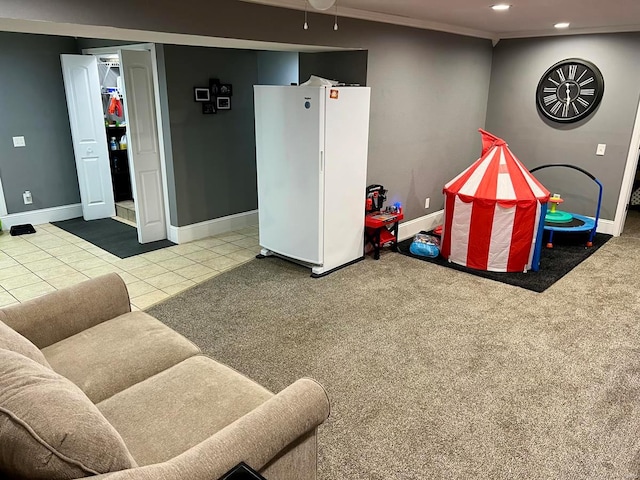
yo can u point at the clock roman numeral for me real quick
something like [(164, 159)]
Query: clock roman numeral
[(573, 69), (575, 109), (560, 75), (553, 81), (556, 108), (582, 102), (550, 90), (587, 91), (549, 99), (565, 109), (586, 82), (581, 75)]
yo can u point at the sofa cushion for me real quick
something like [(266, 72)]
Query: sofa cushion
[(12, 340), (177, 409), (49, 428), (138, 344)]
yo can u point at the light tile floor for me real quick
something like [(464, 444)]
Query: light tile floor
[(50, 259)]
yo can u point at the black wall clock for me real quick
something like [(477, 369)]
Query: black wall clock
[(570, 90)]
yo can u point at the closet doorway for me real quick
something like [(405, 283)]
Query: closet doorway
[(110, 75), (112, 103), (629, 180)]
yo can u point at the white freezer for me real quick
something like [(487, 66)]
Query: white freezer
[(311, 151)]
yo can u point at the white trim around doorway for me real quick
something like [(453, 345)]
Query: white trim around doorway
[(3, 202), (628, 177)]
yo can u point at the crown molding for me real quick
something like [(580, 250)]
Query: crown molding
[(570, 31), (148, 36), (495, 37), (379, 17)]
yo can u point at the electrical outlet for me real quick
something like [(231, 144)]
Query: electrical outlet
[(602, 147), (18, 142), (427, 202), (26, 196)]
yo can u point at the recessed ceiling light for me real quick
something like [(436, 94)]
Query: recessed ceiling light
[(562, 25), (501, 6)]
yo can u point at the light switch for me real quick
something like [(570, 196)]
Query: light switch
[(602, 147), (18, 142)]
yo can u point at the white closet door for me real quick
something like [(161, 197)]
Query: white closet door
[(82, 86), (143, 145)]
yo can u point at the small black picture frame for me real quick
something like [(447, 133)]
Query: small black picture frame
[(223, 103), (214, 86), (208, 108), (226, 90), (201, 94)]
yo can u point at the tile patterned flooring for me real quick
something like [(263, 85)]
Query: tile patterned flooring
[(33, 265)]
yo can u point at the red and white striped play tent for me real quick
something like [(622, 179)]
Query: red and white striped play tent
[(494, 213)]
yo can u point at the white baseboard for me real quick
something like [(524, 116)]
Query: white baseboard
[(606, 226), (44, 215), (426, 223), (217, 226)]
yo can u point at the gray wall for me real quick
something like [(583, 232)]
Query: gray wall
[(277, 68), (213, 155), (429, 89), (512, 114), (33, 103), (345, 67)]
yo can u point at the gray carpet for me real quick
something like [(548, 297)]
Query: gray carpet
[(437, 374)]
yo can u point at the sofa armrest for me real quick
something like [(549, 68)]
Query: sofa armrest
[(58, 315), (256, 438)]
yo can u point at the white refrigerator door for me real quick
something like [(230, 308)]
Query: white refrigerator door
[(289, 154), (346, 149)]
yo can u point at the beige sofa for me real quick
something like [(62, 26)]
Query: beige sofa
[(89, 388)]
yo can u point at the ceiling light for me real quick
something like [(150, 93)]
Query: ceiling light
[(321, 4), (562, 25), (501, 7)]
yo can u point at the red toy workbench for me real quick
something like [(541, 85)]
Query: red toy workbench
[(377, 232)]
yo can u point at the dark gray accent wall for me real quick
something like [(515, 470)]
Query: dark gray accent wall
[(33, 103), (213, 155), (345, 67), (429, 89), (277, 68), (512, 114)]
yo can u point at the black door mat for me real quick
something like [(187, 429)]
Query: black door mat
[(111, 235), (568, 251)]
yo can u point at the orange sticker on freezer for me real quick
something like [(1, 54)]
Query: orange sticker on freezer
[(334, 94)]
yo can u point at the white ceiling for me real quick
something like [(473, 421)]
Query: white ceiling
[(526, 18)]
